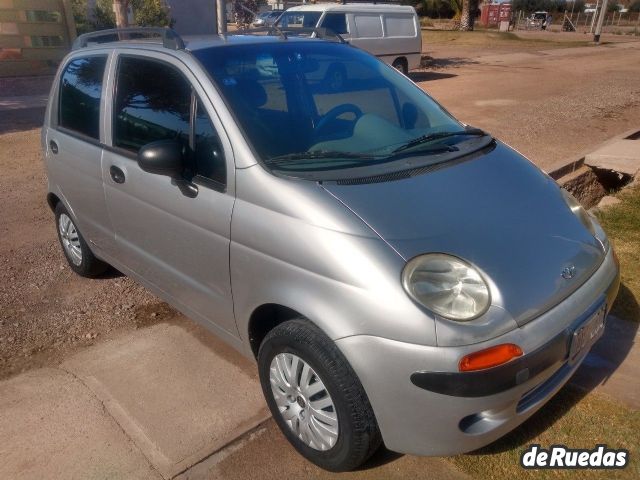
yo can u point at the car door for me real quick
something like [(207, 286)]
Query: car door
[(173, 241), (73, 146)]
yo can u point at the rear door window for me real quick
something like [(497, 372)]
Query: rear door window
[(153, 102), (80, 95)]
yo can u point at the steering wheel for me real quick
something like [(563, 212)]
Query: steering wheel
[(335, 112)]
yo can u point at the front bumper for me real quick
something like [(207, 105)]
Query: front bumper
[(447, 416)]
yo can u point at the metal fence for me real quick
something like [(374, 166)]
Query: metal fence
[(623, 23)]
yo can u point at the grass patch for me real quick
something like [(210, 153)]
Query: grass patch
[(572, 419), (622, 224), (491, 39)]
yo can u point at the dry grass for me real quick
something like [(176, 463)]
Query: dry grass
[(492, 39), (622, 224), (571, 419)]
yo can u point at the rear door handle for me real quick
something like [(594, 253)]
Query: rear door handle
[(53, 146), (117, 174)]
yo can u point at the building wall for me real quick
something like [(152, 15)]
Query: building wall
[(34, 36)]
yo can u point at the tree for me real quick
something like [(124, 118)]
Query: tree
[(146, 13), (80, 11), (103, 15), (121, 10), (151, 13), (635, 6), (468, 15), (542, 5), (244, 11)]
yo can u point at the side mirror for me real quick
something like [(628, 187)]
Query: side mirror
[(163, 157)]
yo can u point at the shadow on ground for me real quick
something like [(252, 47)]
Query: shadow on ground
[(450, 62), (21, 119), (424, 76)]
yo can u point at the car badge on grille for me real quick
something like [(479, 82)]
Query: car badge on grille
[(568, 272)]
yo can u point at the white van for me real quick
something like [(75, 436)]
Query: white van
[(390, 32)]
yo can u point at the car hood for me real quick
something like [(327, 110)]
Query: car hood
[(495, 210)]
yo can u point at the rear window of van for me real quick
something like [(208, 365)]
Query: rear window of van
[(399, 26)]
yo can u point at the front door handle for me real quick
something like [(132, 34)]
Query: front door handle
[(53, 146), (116, 174)]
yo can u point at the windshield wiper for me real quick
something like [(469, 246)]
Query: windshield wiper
[(318, 154), (437, 136)]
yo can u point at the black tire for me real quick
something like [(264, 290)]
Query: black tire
[(401, 65), (358, 434), (88, 265)]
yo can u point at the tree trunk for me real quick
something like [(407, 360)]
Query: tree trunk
[(468, 17), (120, 8)]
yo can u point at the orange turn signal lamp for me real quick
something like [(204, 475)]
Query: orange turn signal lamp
[(489, 357)]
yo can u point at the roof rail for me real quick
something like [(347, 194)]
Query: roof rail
[(284, 32), (170, 39)]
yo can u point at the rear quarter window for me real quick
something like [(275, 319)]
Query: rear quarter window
[(399, 26), (80, 95)]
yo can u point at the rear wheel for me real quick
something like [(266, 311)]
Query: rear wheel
[(81, 259), (401, 65), (316, 398)]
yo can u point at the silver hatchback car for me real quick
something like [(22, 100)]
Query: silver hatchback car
[(399, 277)]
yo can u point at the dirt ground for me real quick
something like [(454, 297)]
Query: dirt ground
[(550, 104)]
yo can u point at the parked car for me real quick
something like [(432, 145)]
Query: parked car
[(390, 32), (537, 20), (397, 275), (266, 19)]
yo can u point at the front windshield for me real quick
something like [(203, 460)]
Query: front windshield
[(314, 105)]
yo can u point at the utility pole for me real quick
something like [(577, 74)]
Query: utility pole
[(603, 12), (221, 10), (593, 17)]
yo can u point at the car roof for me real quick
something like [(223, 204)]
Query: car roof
[(350, 7), (199, 42)]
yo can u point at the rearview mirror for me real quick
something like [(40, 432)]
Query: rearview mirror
[(163, 157)]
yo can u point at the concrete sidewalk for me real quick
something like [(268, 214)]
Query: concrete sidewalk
[(148, 405), (171, 401)]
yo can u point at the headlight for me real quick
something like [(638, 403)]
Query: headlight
[(586, 219), (447, 286)]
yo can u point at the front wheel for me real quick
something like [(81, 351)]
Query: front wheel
[(316, 398), (401, 65)]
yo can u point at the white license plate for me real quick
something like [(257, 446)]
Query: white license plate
[(587, 333)]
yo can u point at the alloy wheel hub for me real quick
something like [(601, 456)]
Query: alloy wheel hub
[(303, 401)]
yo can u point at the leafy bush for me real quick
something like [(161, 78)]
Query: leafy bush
[(530, 6), (146, 13)]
